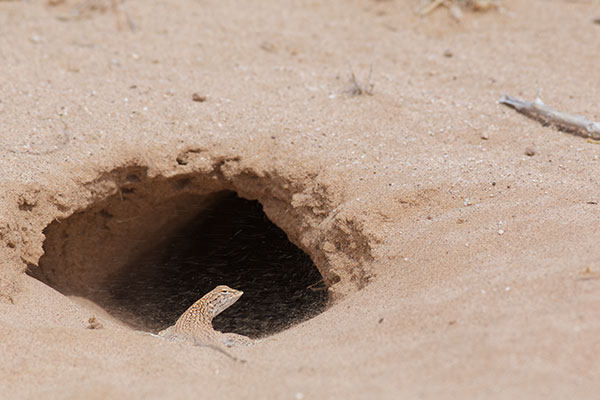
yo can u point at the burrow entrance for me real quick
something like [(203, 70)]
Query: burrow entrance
[(153, 248)]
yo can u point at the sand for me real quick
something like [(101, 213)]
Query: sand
[(458, 266)]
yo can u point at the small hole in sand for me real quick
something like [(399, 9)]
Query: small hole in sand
[(127, 256)]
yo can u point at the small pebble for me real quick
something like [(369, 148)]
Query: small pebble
[(530, 151), (448, 53), (500, 232), (587, 270), (199, 98), (484, 136)]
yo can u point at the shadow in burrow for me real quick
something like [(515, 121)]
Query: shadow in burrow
[(224, 240)]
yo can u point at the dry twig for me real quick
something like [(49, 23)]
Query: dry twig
[(571, 123), (454, 6), (357, 89)]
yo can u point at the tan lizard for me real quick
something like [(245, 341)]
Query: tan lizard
[(195, 324)]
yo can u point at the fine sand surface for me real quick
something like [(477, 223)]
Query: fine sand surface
[(458, 266)]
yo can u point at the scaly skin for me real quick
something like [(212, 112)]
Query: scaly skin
[(196, 322)]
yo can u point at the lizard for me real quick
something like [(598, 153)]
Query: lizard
[(195, 324)]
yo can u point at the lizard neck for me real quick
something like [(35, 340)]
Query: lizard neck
[(198, 315)]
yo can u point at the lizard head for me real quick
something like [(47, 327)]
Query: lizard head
[(220, 298)]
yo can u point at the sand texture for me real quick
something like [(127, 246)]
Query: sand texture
[(455, 240)]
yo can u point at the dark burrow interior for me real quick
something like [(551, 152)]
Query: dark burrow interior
[(231, 242)]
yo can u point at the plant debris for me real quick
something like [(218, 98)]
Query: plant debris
[(571, 123), (94, 324)]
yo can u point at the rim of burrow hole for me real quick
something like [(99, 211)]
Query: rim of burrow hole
[(146, 248)]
